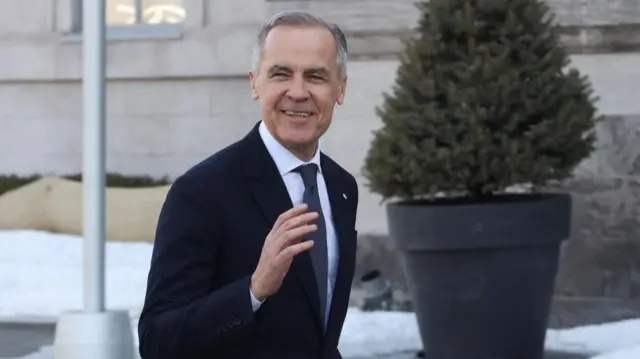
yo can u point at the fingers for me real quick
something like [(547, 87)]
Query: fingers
[(292, 212), (291, 227), (297, 233), (295, 249), (297, 221)]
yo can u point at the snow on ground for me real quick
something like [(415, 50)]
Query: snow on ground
[(596, 339), (41, 273), (41, 276), (628, 353), (377, 333)]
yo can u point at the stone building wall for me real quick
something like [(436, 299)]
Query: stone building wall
[(374, 27), (174, 97)]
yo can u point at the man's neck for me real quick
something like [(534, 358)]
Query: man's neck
[(304, 152)]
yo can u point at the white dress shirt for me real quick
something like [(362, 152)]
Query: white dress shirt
[(287, 163)]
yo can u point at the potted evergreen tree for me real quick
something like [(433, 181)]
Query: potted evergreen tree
[(483, 116)]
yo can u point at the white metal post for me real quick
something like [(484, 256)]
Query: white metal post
[(94, 153), (139, 12), (94, 333)]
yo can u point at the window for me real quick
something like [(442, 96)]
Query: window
[(126, 13), (144, 12)]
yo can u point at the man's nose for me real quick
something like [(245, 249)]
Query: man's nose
[(297, 89)]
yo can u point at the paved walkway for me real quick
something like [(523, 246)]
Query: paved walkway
[(549, 355), (18, 340)]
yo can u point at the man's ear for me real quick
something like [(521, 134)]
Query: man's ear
[(252, 82), (343, 89)]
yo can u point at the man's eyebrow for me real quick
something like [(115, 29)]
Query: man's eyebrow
[(317, 71), (278, 68)]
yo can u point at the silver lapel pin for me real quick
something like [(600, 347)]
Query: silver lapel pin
[(344, 195)]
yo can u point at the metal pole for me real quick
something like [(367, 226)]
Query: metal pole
[(94, 154), (95, 332), (139, 11)]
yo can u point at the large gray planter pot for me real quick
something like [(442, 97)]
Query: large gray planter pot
[(482, 274)]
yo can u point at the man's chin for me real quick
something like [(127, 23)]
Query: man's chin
[(300, 144), (300, 141), (298, 134)]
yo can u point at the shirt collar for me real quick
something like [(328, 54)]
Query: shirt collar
[(283, 158)]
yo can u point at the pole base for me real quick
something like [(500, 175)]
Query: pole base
[(101, 335)]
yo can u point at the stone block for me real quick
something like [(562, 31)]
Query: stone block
[(595, 12), (602, 258), (570, 312), (378, 252), (21, 17), (617, 152)]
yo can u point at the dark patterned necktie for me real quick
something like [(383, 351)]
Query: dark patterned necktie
[(319, 251)]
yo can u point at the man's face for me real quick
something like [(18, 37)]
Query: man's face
[(298, 85)]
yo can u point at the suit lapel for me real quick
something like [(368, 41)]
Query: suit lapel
[(346, 244), (270, 193)]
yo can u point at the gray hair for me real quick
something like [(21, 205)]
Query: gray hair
[(297, 18)]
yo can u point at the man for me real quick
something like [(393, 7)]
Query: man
[(255, 247)]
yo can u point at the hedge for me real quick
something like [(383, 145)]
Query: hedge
[(11, 182)]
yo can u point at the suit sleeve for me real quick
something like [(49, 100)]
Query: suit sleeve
[(183, 315)]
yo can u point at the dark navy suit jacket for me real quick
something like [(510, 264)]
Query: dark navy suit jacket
[(209, 238)]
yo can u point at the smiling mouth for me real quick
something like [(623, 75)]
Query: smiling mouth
[(302, 114)]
